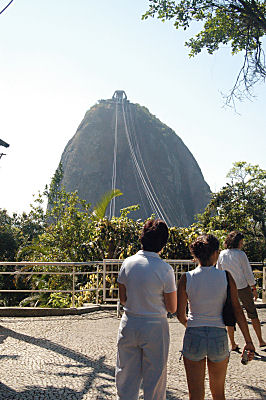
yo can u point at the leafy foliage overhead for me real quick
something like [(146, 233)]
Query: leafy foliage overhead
[(241, 24)]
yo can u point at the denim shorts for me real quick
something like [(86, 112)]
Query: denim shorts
[(205, 341)]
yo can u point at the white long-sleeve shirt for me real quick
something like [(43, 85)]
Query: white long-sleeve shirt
[(236, 262)]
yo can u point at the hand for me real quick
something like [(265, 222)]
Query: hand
[(255, 293), (250, 350)]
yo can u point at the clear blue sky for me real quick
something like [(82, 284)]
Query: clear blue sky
[(58, 57)]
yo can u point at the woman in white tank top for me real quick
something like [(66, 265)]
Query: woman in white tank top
[(205, 289)]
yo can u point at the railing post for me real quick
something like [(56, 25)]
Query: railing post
[(264, 285), (73, 287), (104, 282), (97, 291)]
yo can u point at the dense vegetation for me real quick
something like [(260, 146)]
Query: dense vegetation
[(71, 231)]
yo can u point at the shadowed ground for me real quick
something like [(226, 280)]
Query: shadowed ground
[(73, 357)]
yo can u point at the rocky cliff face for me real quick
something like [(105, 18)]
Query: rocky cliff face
[(154, 168)]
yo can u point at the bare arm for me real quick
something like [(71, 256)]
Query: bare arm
[(240, 317), (254, 292), (170, 301), (122, 293), (182, 300)]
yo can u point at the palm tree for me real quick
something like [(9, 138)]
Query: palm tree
[(100, 208)]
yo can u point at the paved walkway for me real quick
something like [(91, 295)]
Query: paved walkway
[(73, 357)]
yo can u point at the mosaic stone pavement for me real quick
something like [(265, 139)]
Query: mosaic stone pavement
[(73, 358)]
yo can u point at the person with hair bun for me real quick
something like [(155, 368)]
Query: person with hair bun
[(234, 260), (147, 289), (205, 290)]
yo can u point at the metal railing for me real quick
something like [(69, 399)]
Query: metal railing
[(106, 272), (111, 268), (22, 268)]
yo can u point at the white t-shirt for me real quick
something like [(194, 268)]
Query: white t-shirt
[(146, 278), (236, 262)]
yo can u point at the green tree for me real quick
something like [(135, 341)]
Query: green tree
[(8, 242), (17, 233), (8, 249), (55, 186), (239, 23), (74, 224), (71, 221), (53, 193), (241, 205)]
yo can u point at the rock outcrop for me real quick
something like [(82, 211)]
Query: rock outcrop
[(154, 168)]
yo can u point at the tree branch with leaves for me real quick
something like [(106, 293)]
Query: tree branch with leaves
[(3, 9), (239, 24)]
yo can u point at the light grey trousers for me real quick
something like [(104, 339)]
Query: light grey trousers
[(142, 352)]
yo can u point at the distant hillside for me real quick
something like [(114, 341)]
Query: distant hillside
[(153, 166)]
